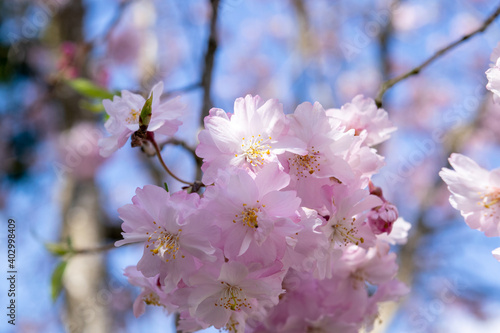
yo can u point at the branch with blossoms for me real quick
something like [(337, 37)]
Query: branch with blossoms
[(475, 191), (416, 70), (289, 234), (290, 210), (291, 207)]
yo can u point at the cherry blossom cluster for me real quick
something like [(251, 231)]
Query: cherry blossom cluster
[(287, 234), (475, 192)]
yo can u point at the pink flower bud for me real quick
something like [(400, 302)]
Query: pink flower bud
[(382, 218)]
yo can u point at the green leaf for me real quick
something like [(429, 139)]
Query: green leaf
[(146, 111), (69, 241), (57, 249), (57, 275), (88, 89), (166, 186), (92, 107)]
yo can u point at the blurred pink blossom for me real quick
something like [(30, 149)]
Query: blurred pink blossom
[(79, 151)]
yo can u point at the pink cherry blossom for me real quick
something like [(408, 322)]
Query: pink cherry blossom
[(363, 115), (399, 233), (475, 192), (363, 160), (187, 323), (345, 225), (347, 207), (331, 323), (254, 215), (301, 301), (151, 291), (358, 266), (309, 246), (124, 113), (496, 254), (495, 54), (375, 265), (215, 299), (325, 162), (381, 218), (391, 290), (341, 303), (79, 151), (250, 138), (125, 44), (174, 237), (493, 76), (285, 237)]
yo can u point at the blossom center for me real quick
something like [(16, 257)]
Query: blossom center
[(152, 299), (359, 275), (133, 117), (164, 243), (232, 298), (249, 216), (491, 199), (305, 165), (345, 233), (255, 149), (359, 278), (232, 325)]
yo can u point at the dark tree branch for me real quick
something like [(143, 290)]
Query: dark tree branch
[(184, 89), (206, 79), (390, 83), (188, 148), (384, 38)]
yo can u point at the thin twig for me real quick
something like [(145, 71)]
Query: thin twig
[(390, 83), (184, 89), (206, 79), (102, 248), (158, 153), (183, 144)]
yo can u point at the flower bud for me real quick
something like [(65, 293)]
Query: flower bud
[(382, 218)]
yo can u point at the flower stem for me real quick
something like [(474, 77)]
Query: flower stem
[(158, 153)]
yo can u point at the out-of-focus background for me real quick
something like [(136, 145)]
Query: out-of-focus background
[(58, 190)]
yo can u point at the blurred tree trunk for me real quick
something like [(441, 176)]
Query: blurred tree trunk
[(84, 277), (86, 310)]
